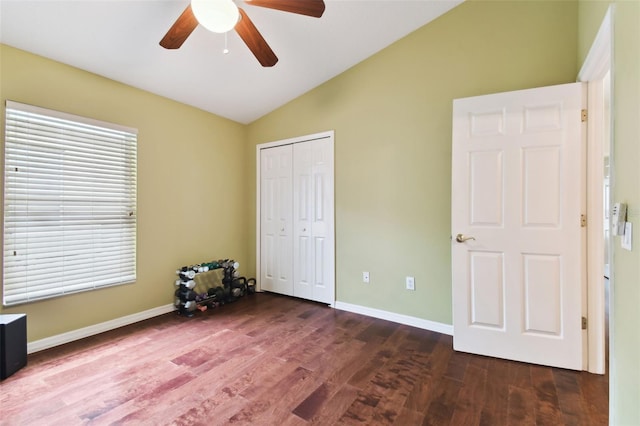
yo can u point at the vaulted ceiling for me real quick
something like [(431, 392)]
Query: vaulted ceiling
[(118, 39)]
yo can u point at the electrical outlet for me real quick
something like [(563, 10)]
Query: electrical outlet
[(411, 283), (365, 277)]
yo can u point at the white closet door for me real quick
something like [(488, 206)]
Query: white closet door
[(313, 213), (275, 221), (302, 210)]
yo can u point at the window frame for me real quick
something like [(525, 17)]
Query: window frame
[(82, 205)]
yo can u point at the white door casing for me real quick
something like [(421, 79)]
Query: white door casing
[(275, 220), (313, 253), (596, 71), (518, 189)]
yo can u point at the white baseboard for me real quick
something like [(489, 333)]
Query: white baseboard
[(81, 333), (438, 327)]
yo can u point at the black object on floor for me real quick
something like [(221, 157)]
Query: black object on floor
[(13, 343)]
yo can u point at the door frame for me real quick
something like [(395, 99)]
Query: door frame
[(595, 67), (306, 138)]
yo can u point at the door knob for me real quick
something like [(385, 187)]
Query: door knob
[(462, 238)]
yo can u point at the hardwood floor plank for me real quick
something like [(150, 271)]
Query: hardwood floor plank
[(311, 404), (142, 407), (379, 328), (443, 402), (519, 374), (440, 356), (293, 420), (276, 360), (570, 399), (333, 356), (361, 410), (96, 399), (219, 401), (396, 380), (350, 367), (593, 388), (424, 340), (209, 393), (420, 395), (330, 411), (521, 406), (409, 417), (380, 351), (457, 366), (494, 411), (547, 408), (273, 401), (361, 367), (471, 396)]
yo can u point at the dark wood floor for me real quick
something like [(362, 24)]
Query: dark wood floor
[(273, 360)]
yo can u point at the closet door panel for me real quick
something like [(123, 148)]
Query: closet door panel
[(275, 221), (322, 226), (303, 272)]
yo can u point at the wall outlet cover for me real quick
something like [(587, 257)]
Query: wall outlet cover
[(410, 283)]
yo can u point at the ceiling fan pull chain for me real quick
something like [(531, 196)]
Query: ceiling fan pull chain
[(226, 50)]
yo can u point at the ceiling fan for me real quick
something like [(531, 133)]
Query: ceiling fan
[(223, 15)]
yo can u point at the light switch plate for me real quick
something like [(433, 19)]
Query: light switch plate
[(627, 238)]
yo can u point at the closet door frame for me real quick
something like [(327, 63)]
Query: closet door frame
[(307, 138)]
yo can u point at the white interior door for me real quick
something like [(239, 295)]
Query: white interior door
[(313, 213), (275, 220), (518, 193)]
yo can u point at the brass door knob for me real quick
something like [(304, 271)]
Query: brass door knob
[(462, 238)]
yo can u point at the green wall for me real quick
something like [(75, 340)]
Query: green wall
[(186, 159), (392, 120), (625, 289)]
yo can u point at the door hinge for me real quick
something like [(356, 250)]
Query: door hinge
[(583, 115), (584, 323), (583, 220)]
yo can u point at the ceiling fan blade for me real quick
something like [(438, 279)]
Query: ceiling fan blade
[(180, 30), (254, 41), (314, 8)]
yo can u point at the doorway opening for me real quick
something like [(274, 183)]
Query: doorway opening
[(597, 72)]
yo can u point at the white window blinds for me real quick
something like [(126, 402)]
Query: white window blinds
[(69, 204)]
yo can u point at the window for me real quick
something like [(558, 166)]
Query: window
[(69, 204)]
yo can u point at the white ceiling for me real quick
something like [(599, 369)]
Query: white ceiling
[(119, 39)]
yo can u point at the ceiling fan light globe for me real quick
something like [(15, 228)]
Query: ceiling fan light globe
[(218, 16)]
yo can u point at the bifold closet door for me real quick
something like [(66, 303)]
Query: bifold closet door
[(313, 245), (275, 219)]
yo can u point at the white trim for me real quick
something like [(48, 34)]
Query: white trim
[(258, 176), (596, 65), (297, 139), (81, 333), (424, 324), (314, 136), (598, 60), (595, 237)]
